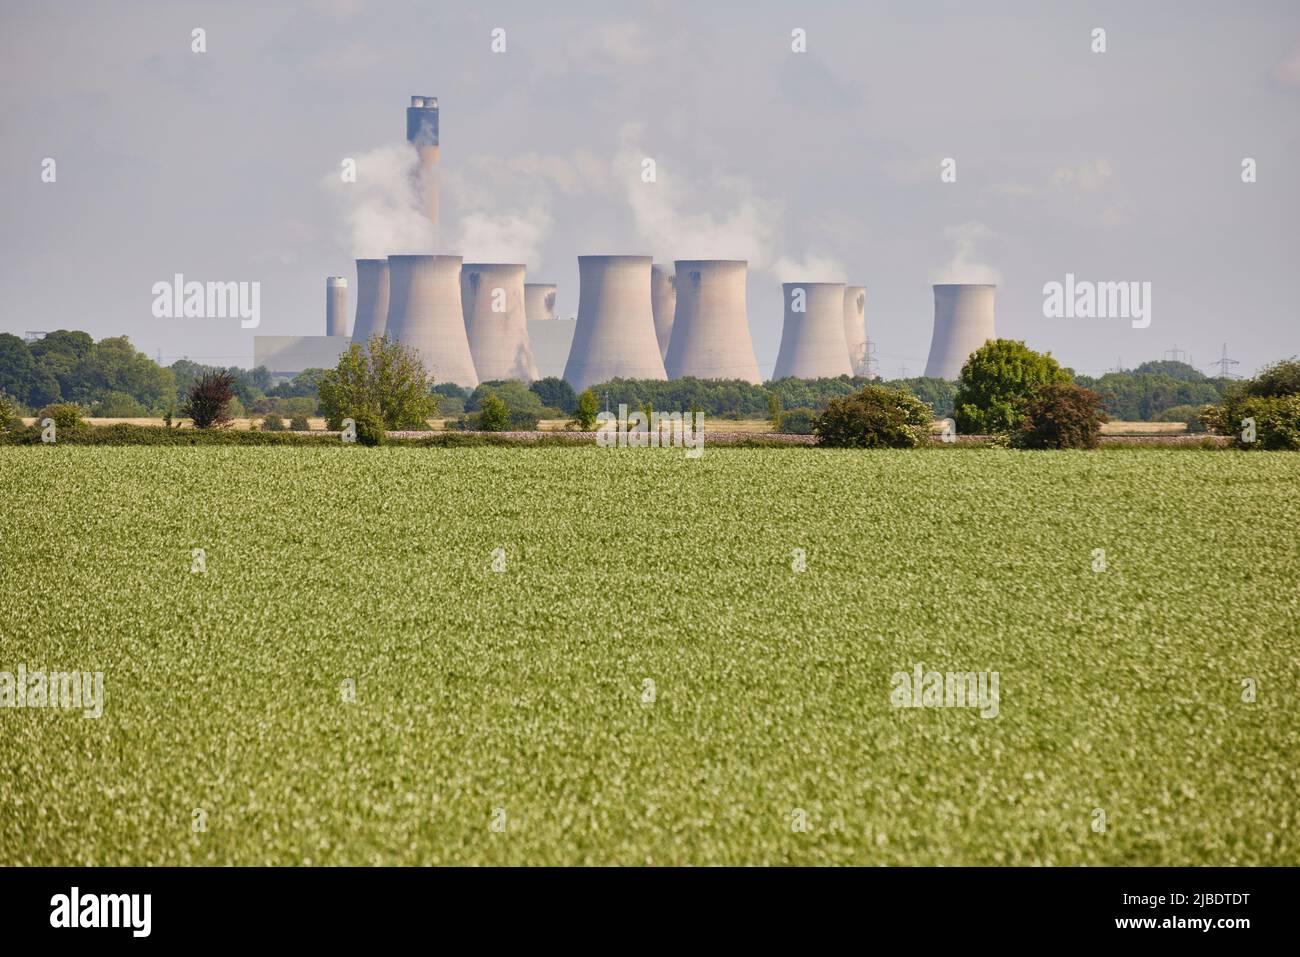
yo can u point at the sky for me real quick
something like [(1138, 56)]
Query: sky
[(1123, 165)]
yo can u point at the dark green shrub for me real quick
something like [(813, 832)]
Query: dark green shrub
[(299, 423), (1275, 422), (272, 423), (584, 413), (555, 393), (494, 414), (874, 418), (997, 381), (798, 421), (8, 413), (1061, 416), (1189, 415), (370, 427)]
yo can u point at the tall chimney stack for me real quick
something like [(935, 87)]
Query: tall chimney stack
[(424, 312), (615, 337), (372, 300), (336, 306), (492, 298), (710, 331), (422, 133), (812, 337), (963, 321)]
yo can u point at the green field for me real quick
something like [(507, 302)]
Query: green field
[(522, 690)]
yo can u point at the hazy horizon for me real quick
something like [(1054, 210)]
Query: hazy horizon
[(224, 165)]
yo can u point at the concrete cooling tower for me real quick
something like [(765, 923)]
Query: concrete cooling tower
[(539, 301), (663, 301), (812, 338), (492, 298), (855, 327), (372, 299), (336, 306), (963, 321), (616, 328), (422, 133), (710, 331), (424, 312)]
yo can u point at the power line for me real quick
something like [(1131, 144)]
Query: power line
[(1225, 365)]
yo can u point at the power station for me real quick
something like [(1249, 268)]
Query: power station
[(855, 327), (372, 300), (615, 337), (663, 302), (963, 321), (636, 319), (710, 330), (812, 336), (492, 298), (424, 312)]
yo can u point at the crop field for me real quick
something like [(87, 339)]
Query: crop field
[(582, 655)]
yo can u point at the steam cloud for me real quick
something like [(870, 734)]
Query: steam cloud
[(964, 267)]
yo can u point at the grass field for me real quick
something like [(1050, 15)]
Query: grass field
[(518, 699)]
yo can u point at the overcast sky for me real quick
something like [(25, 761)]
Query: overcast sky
[(1123, 165)]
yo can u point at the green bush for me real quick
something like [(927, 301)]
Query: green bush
[(65, 415), (272, 423), (8, 413), (370, 427), (1061, 416), (494, 414), (299, 423), (876, 417), (1189, 415), (798, 421), (1276, 422), (997, 381), (118, 405), (385, 377), (584, 413), (555, 393)]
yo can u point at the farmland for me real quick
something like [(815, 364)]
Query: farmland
[(575, 655)]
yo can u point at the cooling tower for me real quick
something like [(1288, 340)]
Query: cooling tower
[(963, 321), (855, 327), (372, 299), (336, 306), (422, 133), (539, 301), (812, 338), (615, 336), (663, 301), (492, 298), (424, 313), (710, 330)]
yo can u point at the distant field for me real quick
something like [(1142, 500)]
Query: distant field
[(519, 698)]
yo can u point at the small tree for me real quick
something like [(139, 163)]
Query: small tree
[(272, 422), (774, 410), (8, 414), (1061, 416), (385, 377), (299, 423), (584, 416), (555, 393), (875, 418), (494, 414), (997, 381), (209, 398)]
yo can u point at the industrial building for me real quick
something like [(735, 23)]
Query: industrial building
[(663, 302), (616, 330), (424, 312), (855, 327), (812, 336), (372, 299), (492, 299), (963, 321), (550, 338), (710, 331)]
